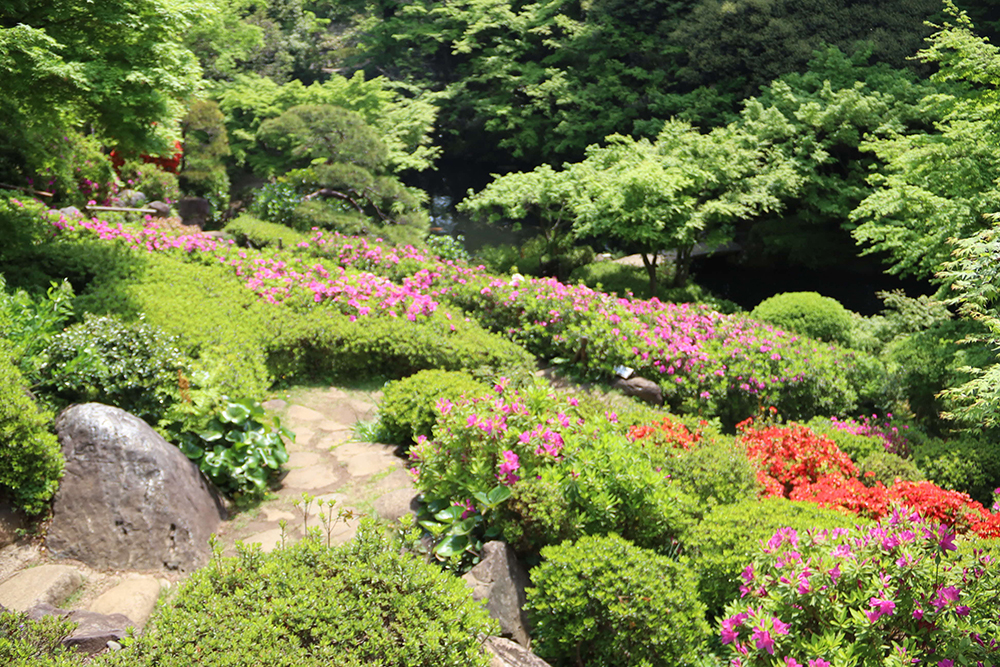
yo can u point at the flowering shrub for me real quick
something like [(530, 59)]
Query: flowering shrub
[(408, 407), (566, 461), (728, 537), (706, 362), (895, 593), (792, 457), (888, 430)]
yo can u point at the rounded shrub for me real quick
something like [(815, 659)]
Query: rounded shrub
[(131, 365), (408, 406), (276, 202), (30, 460), (727, 539), (604, 601), (886, 467), (247, 230), (365, 603), (807, 313)]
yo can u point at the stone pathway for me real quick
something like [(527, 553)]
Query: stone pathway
[(352, 479), (356, 478)]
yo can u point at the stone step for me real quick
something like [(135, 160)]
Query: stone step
[(45, 584), (135, 598)]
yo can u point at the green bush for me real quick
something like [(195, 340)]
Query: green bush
[(276, 202), (924, 363), (448, 247), (408, 406), (23, 224), (624, 279), (887, 468), (213, 318), (716, 471), (247, 230), (28, 643), (968, 464), (365, 603), (808, 314), (131, 365), (536, 256), (325, 344), (728, 538), (31, 463), (155, 183), (605, 602), (30, 324)]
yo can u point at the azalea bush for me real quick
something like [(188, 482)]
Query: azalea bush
[(792, 457), (895, 593), (568, 465), (729, 536)]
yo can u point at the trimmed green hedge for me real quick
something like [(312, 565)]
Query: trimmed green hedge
[(325, 344), (31, 462), (247, 230), (364, 604)]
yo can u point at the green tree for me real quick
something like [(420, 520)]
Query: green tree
[(117, 65), (335, 154), (973, 276), (757, 41), (662, 198), (403, 122), (540, 80), (543, 195), (939, 184), (818, 120)]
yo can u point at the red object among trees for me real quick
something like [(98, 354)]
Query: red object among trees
[(169, 164)]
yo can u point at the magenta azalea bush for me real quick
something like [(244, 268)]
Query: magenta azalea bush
[(895, 593), (567, 463)]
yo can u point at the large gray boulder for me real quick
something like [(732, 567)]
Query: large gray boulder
[(500, 579), (128, 499)]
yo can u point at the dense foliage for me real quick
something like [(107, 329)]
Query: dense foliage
[(603, 601), (364, 603)]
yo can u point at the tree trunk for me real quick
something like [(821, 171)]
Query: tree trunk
[(649, 261), (682, 266)]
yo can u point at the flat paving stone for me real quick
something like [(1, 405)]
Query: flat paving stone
[(275, 405), (368, 463), (396, 504), (49, 584), (300, 413), (274, 514), (268, 539), (311, 478), (331, 440), (135, 597), (303, 459), (333, 426)]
